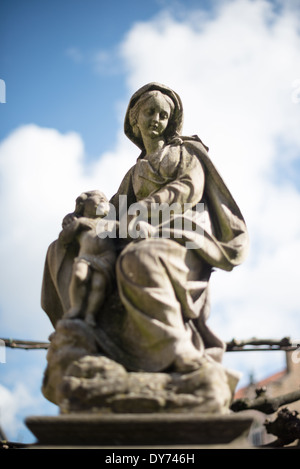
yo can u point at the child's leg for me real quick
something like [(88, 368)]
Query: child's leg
[(96, 297), (78, 287)]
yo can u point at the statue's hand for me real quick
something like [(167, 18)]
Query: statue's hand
[(69, 218), (69, 231)]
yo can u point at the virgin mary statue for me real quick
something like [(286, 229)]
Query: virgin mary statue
[(161, 277)]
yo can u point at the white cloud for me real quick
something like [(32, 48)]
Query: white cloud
[(20, 394), (42, 173), (11, 404), (235, 73)]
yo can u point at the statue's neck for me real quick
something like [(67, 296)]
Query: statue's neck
[(153, 145)]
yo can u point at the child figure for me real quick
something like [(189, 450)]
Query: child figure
[(93, 268)]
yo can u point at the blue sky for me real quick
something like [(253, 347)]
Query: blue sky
[(61, 65), (70, 68), (48, 57)]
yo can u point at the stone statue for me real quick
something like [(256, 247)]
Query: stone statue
[(147, 346), (93, 268)]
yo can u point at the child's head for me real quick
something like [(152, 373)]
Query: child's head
[(92, 204)]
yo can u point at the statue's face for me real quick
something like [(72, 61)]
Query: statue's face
[(153, 117), (96, 205)]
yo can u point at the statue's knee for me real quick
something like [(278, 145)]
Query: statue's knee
[(126, 262), (139, 265), (129, 262), (80, 271)]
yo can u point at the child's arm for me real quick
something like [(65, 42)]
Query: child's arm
[(68, 219), (73, 227), (69, 231), (86, 223)]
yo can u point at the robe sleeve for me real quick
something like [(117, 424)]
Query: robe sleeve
[(125, 188)]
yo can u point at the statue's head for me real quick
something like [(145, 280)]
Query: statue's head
[(169, 100), (91, 204)]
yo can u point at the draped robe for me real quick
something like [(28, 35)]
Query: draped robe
[(163, 285)]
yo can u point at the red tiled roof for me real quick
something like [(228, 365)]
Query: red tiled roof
[(271, 379)]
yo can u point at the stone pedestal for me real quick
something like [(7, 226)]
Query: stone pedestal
[(142, 430)]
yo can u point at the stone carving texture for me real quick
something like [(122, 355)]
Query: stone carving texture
[(130, 311)]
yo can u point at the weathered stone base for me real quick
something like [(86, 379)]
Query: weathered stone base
[(79, 379), (97, 384), (140, 430)]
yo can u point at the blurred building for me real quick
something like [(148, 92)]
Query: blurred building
[(283, 382)]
